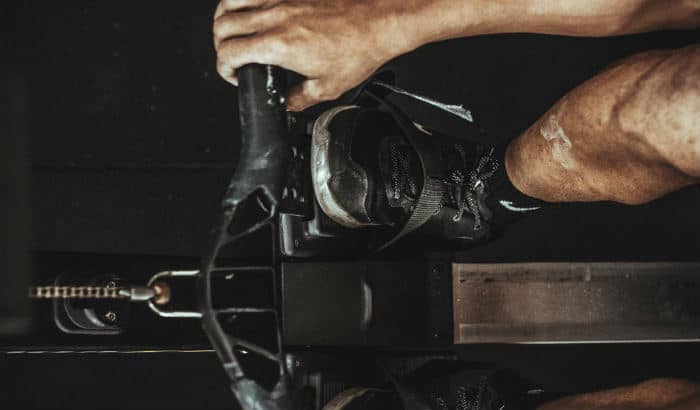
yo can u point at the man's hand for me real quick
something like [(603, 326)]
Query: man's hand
[(335, 44)]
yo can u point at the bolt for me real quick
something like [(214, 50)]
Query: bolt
[(111, 316), (162, 293)]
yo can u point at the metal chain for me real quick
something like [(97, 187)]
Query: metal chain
[(77, 292)]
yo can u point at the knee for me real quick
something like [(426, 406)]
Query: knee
[(683, 115), (667, 113)]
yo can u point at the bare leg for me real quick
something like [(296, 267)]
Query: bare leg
[(661, 394), (630, 134)]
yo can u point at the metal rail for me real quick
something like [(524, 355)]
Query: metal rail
[(576, 302)]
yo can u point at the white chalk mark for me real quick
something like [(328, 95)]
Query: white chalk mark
[(561, 144), (509, 205)]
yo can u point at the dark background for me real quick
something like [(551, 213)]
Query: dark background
[(133, 137)]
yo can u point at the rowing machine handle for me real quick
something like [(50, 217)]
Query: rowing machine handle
[(264, 145)]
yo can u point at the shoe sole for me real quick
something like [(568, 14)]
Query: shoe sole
[(347, 397)]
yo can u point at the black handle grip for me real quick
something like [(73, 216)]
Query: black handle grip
[(264, 145)]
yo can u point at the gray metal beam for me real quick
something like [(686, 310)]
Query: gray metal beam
[(576, 302)]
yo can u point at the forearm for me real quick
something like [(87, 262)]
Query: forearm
[(337, 44), (437, 20)]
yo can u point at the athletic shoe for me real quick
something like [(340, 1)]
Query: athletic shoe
[(374, 167)]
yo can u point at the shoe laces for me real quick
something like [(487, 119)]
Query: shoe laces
[(465, 184), (467, 397)]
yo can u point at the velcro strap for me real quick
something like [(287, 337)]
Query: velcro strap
[(430, 198), (427, 205)]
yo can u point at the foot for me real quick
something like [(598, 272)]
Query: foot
[(445, 385), (370, 167)]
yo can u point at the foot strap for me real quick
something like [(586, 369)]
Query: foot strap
[(430, 198), (429, 202), (456, 110)]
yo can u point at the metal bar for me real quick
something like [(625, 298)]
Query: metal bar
[(194, 314), (576, 302), (234, 310)]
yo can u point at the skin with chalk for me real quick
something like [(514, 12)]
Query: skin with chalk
[(561, 144)]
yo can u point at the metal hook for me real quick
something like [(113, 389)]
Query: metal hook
[(173, 313)]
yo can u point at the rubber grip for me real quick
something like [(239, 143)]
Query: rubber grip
[(264, 143)]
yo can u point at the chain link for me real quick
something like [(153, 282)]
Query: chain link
[(77, 292)]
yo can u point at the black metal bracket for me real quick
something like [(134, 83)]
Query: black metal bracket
[(97, 317)]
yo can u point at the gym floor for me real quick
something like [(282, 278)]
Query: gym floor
[(134, 138)]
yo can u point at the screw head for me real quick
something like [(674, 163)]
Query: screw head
[(111, 316)]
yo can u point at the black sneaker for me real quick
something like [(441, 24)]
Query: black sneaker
[(452, 385), (374, 167), (446, 385)]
